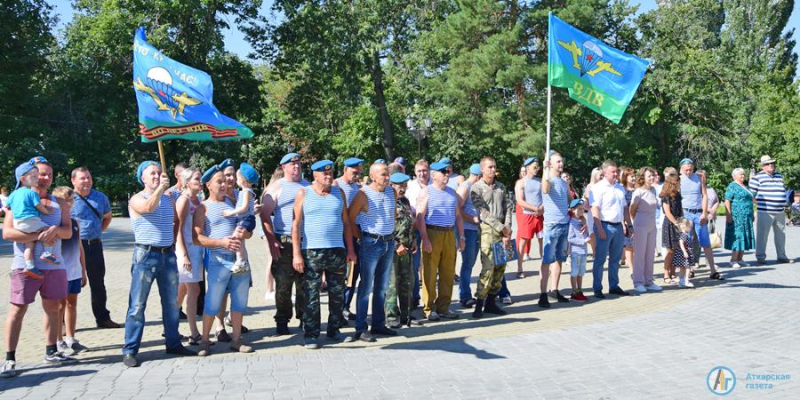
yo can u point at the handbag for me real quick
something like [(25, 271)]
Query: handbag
[(716, 240)]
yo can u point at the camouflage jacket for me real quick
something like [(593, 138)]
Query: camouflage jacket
[(404, 222)]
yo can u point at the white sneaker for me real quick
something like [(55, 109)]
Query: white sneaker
[(653, 287), (527, 258), (686, 284), (62, 347), (736, 265), (9, 369), (507, 300), (640, 288), (269, 296), (743, 264)]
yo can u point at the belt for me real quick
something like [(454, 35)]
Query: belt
[(379, 237), (90, 242), (693, 210), (155, 249), (612, 223), (439, 228), (284, 238)]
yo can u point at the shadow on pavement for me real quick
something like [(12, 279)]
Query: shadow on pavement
[(453, 345), (31, 377)]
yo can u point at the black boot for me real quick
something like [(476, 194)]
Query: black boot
[(283, 329), (478, 313), (491, 307)]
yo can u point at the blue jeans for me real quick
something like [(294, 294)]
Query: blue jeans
[(220, 281), (468, 258), (350, 291), (503, 292), (701, 230), (146, 267), (416, 261), (376, 264), (611, 247)]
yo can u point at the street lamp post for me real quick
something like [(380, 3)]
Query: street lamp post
[(420, 132)]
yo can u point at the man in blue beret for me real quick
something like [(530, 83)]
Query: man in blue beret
[(279, 200), (472, 239), (350, 183), (153, 218), (401, 280), (373, 206), (322, 243), (530, 224), (437, 216)]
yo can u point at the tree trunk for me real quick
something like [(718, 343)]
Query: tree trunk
[(380, 103)]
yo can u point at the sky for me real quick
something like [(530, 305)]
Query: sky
[(235, 42)]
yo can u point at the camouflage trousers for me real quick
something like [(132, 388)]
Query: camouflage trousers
[(401, 283), (331, 262), (491, 277), (286, 278)]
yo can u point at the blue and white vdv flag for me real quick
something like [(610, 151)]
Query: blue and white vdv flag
[(175, 100)]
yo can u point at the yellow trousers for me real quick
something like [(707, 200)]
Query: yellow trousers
[(440, 262)]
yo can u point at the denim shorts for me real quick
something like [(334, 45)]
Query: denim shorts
[(577, 265), (700, 230), (220, 280), (555, 243)]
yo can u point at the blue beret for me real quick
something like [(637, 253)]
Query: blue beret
[(401, 161), (322, 165), (438, 166), (226, 163), (446, 160), (686, 161), (22, 169), (353, 162), (248, 172), (141, 169), (290, 158), (398, 178), (209, 173), (475, 169), (529, 161), (380, 161), (575, 202), (38, 160)]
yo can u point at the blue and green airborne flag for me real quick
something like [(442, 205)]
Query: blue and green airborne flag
[(597, 76), (175, 100)]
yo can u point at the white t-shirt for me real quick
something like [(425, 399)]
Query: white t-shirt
[(412, 192), (610, 199)]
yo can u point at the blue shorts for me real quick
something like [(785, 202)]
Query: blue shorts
[(248, 222), (578, 265), (700, 230), (74, 286), (555, 243), (220, 280)]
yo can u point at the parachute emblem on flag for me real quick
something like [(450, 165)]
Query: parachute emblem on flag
[(588, 58), (159, 87)]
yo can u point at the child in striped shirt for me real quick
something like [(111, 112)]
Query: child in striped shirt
[(246, 177)]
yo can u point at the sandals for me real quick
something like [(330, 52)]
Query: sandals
[(717, 276)]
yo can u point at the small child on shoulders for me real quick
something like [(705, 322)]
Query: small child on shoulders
[(27, 208), (246, 177)]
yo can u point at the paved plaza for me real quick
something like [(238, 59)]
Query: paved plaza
[(656, 345)]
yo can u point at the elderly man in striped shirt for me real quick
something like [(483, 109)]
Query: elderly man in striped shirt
[(769, 193)]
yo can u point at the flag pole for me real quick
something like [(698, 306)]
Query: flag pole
[(547, 140), (161, 155)]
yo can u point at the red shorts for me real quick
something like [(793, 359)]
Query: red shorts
[(24, 288), (529, 225)]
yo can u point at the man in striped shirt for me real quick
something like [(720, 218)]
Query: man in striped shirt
[(769, 193)]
